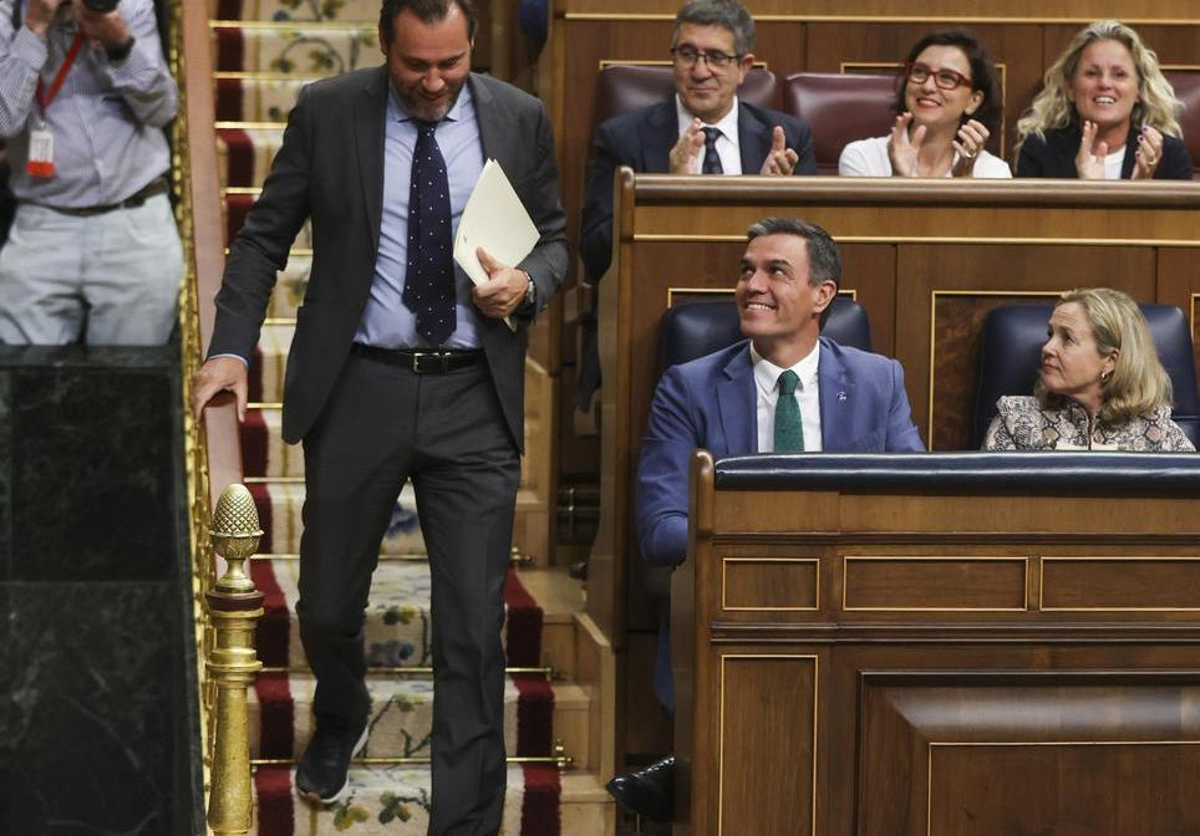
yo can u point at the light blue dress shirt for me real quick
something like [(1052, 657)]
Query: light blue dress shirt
[(386, 322), (107, 119)]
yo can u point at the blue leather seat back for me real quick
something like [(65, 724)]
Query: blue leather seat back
[(691, 330), (1010, 357)]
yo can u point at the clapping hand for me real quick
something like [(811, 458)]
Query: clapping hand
[(972, 137), (684, 156), (1089, 161), (903, 148), (1149, 153), (781, 160)]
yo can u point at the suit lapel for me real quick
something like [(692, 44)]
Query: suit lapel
[(369, 130), (738, 403), (658, 135), (492, 134), (836, 393), (754, 139)]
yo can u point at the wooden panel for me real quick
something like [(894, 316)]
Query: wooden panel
[(1120, 583), (1134, 789), (934, 583), (952, 753), (950, 288), (768, 712), (1081, 10), (768, 584)]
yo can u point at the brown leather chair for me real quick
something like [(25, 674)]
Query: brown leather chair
[(840, 108), (1187, 89), (625, 87)]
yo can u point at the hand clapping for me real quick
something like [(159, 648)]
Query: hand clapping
[(1089, 161), (781, 160), (1149, 154), (972, 137), (684, 157), (903, 148)]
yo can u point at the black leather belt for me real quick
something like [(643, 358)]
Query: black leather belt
[(155, 187), (420, 361)]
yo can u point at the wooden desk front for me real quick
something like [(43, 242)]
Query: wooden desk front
[(921, 665)]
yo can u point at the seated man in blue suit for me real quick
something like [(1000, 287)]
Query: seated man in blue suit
[(785, 389), (702, 129)]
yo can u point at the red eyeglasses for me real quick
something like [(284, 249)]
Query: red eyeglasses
[(945, 79)]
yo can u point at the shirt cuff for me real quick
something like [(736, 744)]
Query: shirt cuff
[(29, 48), (134, 66), (245, 362)]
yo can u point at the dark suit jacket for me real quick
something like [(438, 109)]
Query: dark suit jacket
[(330, 169), (642, 139), (712, 403), (1054, 156)]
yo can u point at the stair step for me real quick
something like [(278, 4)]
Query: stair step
[(394, 801), (283, 47), (280, 504), (353, 10), (397, 631), (245, 152)]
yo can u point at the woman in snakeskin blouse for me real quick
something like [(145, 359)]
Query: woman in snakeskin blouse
[(1101, 387)]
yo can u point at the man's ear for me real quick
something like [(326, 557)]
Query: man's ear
[(744, 65), (826, 293)]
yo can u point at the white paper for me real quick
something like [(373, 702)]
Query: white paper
[(496, 220)]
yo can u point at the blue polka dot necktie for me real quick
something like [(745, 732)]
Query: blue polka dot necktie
[(429, 280), (789, 429), (712, 160)]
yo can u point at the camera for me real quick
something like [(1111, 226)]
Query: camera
[(101, 6)]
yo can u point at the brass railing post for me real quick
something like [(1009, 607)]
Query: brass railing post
[(234, 607)]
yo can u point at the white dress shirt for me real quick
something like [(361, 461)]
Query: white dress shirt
[(728, 148), (766, 383)]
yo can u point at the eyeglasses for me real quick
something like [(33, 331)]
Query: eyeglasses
[(687, 56), (945, 79)]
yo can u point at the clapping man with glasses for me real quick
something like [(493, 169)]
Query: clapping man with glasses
[(703, 129)]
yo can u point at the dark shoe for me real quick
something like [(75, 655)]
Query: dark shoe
[(648, 792), (321, 775)]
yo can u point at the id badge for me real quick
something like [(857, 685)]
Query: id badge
[(41, 153)]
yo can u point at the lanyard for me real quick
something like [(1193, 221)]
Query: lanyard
[(43, 98)]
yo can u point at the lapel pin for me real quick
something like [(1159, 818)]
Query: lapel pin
[(841, 396)]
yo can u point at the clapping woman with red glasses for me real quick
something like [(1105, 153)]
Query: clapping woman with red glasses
[(948, 104)]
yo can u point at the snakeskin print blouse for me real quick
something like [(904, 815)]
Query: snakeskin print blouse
[(1022, 424)]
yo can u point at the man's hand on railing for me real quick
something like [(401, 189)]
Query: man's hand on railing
[(220, 374)]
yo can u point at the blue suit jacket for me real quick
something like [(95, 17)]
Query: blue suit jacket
[(712, 403)]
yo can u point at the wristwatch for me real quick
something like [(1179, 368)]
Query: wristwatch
[(119, 52), (530, 292)]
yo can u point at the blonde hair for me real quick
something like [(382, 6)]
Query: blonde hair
[(1156, 105), (1139, 384)]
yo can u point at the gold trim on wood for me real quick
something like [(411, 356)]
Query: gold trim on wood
[(262, 75), (816, 561), (228, 190), (605, 63), (1112, 557), (899, 19), (683, 238), (910, 558), (364, 27), (816, 664), (249, 126), (721, 291), (933, 298)]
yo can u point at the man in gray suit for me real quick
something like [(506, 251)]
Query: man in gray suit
[(400, 369)]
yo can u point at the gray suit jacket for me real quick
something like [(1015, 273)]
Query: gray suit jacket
[(330, 169)]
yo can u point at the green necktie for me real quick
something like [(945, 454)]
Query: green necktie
[(789, 429)]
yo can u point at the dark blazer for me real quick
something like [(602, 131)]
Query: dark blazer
[(712, 403), (330, 169), (642, 139), (1054, 156)]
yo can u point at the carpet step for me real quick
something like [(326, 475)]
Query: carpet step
[(280, 503), (537, 713), (286, 48), (366, 11), (394, 801), (539, 630), (245, 152), (398, 631)]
